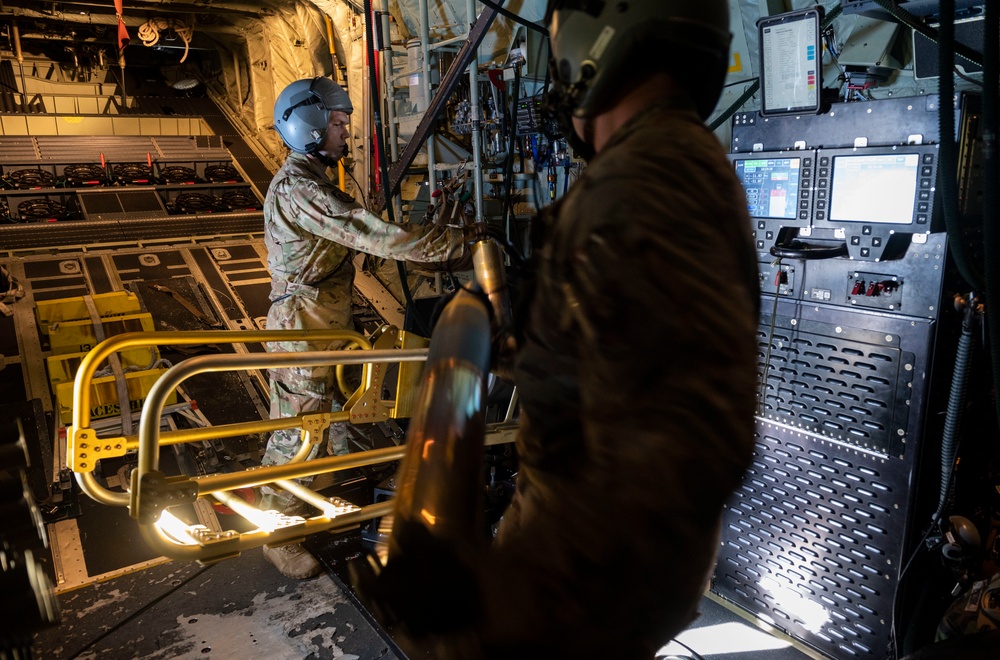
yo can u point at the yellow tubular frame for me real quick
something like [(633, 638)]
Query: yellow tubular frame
[(84, 448), (151, 492)]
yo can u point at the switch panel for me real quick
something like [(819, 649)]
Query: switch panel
[(875, 290), (778, 279)]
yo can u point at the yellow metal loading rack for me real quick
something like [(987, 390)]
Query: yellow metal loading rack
[(152, 493)]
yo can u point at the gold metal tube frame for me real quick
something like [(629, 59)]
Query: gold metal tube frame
[(85, 448)]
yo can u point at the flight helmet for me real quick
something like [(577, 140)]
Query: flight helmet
[(597, 44), (302, 112)]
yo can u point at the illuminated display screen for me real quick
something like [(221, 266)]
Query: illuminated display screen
[(771, 185), (874, 188), (791, 75)]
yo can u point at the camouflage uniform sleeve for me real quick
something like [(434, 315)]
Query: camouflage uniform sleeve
[(324, 214)]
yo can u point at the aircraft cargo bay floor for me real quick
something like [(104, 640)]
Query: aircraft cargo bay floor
[(243, 608)]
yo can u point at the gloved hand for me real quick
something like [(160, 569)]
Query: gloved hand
[(481, 231)]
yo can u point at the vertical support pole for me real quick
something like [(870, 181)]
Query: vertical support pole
[(425, 54), (390, 98), (477, 157), (121, 67)]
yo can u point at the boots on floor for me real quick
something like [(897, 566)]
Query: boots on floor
[(293, 561)]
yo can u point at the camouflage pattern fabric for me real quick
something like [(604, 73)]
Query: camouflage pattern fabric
[(636, 376), (311, 227)]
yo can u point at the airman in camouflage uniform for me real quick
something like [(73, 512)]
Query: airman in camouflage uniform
[(636, 375), (311, 226)]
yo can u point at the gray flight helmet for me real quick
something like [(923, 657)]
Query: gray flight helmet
[(302, 112), (595, 42)]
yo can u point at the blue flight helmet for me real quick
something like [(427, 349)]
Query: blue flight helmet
[(302, 112)]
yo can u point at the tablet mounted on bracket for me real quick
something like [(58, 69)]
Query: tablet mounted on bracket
[(791, 62)]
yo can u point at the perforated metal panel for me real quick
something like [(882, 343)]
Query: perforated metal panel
[(843, 387), (814, 536), (812, 539)]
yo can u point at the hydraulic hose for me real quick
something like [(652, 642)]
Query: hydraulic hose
[(956, 405)]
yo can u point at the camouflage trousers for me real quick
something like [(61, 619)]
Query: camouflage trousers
[(299, 390)]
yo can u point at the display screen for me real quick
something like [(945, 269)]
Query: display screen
[(771, 185), (790, 65), (874, 189)]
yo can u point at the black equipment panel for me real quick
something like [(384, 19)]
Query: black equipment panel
[(815, 536)]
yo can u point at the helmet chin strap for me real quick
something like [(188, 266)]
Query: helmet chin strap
[(326, 160), (329, 161)]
